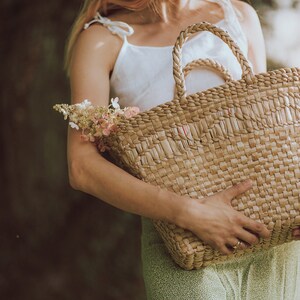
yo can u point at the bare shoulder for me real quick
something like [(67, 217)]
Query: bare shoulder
[(248, 18), (93, 60), (247, 11), (97, 45)]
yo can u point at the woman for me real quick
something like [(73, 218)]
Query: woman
[(134, 63)]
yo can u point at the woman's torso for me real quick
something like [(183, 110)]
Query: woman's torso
[(143, 75)]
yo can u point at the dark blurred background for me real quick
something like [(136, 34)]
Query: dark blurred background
[(57, 243)]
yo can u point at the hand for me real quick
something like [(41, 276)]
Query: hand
[(217, 223), (296, 233)]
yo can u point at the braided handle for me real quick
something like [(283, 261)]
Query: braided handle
[(247, 73), (208, 63)]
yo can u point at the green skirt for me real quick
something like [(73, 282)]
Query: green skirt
[(270, 274)]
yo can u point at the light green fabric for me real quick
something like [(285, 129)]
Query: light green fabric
[(270, 274)]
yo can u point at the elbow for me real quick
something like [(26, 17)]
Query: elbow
[(74, 172)]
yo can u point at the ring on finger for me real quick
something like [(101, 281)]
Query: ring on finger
[(237, 245)]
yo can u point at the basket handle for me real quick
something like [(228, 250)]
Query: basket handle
[(207, 63), (247, 73)]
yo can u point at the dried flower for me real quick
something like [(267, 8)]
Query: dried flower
[(84, 104), (95, 122), (115, 103), (73, 125), (130, 112)]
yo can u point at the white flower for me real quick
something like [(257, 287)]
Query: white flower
[(65, 113), (84, 104), (114, 103), (74, 125)]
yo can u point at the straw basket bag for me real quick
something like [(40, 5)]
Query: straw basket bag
[(200, 144)]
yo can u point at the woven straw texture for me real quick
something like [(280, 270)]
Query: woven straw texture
[(200, 144)]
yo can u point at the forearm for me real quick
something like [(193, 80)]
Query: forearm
[(98, 177)]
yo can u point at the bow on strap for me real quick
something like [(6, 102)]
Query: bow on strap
[(121, 29)]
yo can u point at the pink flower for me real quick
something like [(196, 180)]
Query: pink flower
[(112, 127), (131, 111), (101, 146), (103, 123), (106, 131), (104, 117), (108, 127)]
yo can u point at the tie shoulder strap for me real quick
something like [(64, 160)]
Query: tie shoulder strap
[(121, 29)]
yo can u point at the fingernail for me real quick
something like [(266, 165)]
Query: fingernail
[(248, 182)]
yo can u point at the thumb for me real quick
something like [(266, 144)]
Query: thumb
[(236, 190)]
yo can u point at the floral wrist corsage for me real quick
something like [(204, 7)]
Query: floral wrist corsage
[(95, 122)]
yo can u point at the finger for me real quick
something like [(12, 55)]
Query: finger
[(236, 244), (238, 189), (255, 227), (296, 232), (244, 245), (225, 250), (248, 237), (221, 247)]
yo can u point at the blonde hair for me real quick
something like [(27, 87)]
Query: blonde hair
[(104, 7)]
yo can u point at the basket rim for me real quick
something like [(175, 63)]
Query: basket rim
[(258, 83)]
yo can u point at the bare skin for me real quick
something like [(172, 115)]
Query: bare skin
[(211, 218)]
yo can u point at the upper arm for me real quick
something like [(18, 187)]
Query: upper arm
[(251, 25), (93, 58), (92, 61)]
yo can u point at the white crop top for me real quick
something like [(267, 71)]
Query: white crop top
[(143, 75)]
